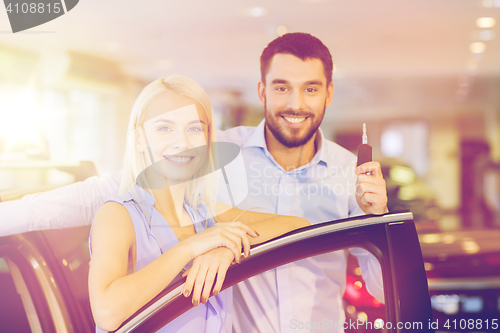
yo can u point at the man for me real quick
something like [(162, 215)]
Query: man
[(292, 170)]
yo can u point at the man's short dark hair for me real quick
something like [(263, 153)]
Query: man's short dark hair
[(301, 45)]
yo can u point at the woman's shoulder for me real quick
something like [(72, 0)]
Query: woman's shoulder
[(114, 208), (112, 211), (136, 195), (134, 206), (112, 227), (122, 198)]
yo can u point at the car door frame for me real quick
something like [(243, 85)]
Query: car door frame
[(391, 238)]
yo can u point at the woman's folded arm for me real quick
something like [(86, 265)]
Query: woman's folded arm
[(115, 290)]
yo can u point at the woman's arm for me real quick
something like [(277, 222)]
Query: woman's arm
[(266, 225), (115, 290), (212, 266)]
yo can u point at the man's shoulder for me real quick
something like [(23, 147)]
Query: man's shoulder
[(237, 135)]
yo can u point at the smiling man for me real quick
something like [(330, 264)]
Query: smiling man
[(294, 170)]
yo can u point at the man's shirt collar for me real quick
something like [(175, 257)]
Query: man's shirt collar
[(258, 139)]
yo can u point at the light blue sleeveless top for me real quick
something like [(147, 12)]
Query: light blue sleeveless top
[(153, 237)]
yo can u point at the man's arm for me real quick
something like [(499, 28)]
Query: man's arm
[(371, 271), (371, 198), (266, 225), (69, 206)]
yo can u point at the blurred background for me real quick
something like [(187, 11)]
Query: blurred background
[(423, 75)]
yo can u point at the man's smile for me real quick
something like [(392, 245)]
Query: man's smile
[(294, 121)]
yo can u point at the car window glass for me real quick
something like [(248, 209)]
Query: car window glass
[(359, 303), (319, 290), (16, 305), (70, 248)]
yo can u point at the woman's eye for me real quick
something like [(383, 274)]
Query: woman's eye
[(195, 129), (164, 129)]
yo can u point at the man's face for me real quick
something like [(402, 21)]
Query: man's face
[(294, 95)]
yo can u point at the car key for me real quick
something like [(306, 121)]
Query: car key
[(364, 149)]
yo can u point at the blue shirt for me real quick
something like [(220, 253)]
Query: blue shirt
[(308, 290), (153, 237)]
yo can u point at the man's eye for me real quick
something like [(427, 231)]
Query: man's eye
[(311, 89), (281, 89)]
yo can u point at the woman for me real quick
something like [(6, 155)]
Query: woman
[(143, 239)]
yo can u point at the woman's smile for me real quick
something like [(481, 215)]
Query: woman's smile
[(179, 159)]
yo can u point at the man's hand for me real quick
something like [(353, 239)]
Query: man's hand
[(203, 271), (371, 193)]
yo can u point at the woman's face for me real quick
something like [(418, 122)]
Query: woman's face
[(176, 132)]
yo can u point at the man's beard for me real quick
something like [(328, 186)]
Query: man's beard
[(293, 140)]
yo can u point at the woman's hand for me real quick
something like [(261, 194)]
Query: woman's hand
[(202, 274), (232, 235)]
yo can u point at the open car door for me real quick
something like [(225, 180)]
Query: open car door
[(391, 238)]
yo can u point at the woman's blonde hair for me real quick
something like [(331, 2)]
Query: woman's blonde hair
[(202, 187)]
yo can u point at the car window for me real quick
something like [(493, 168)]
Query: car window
[(359, 303), (17, 310), (37, 281), (71, 254)]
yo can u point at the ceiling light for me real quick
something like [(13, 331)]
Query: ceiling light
[(487, 35), (488, 3), (255, 11), (477, 47), (281, 30), (491, 3), (470, 247), (485, 22), (430, 238)]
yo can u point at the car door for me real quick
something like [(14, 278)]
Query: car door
[(391, 238), (43, 282)]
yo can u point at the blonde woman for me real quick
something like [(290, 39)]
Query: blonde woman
[(163, 219)]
